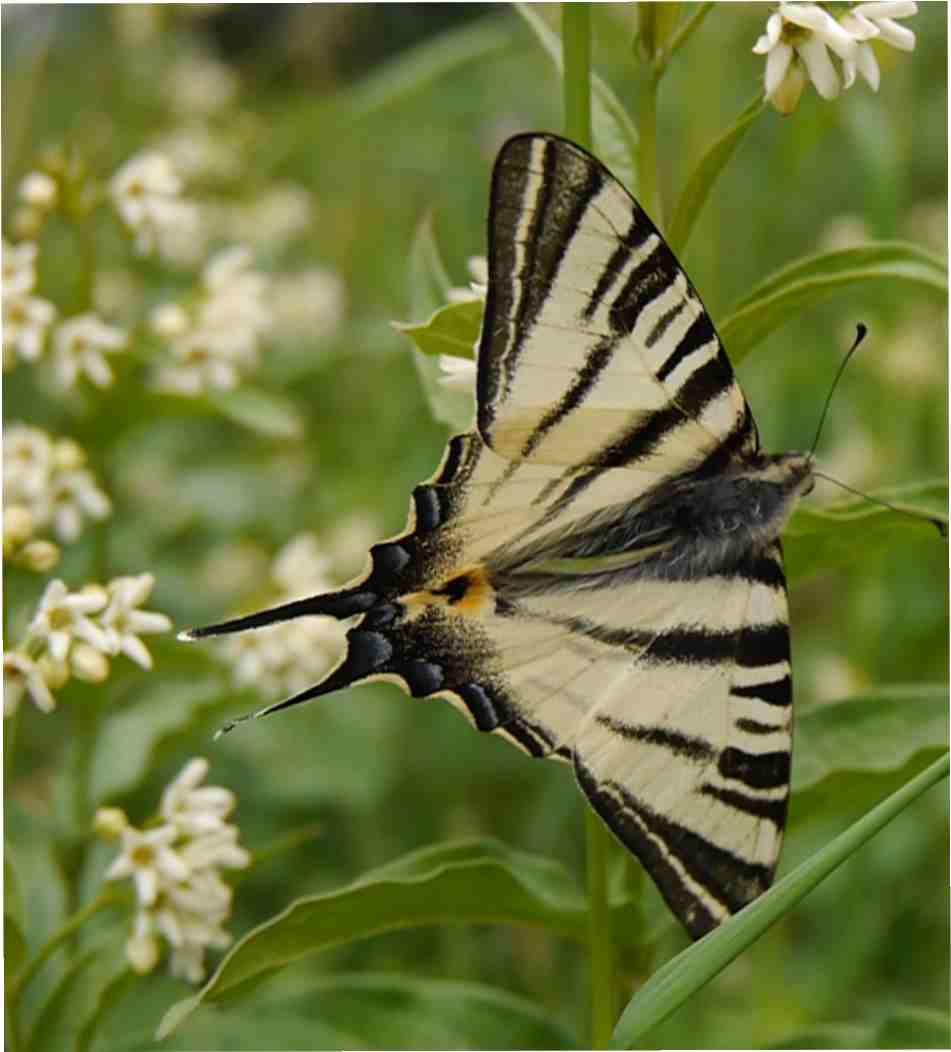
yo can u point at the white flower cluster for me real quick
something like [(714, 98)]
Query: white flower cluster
[(175, 867), (286, 658), (215, 340), (79, 343), (75, 634), (46, 485), (26, 317), (799, 37), (146, 192)]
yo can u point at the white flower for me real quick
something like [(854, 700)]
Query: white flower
[(200, 85), (73, 494), (25, 318), (196, 810), (27, 463), (124, 623), (233, 314), (110, 822), (39, 190), (142, 948), (189, 934), (286, 658), (149, 859), (285, 211), (88, 663), (80, 346), (199, 153), (796, 42), (38, 556), (62, 617), (17, 526), (309, 305), (348, 543), (169, 320), (458, 374), (22, 675), (219, 848), (19, 267), (146, 193), (300, 567), (478, 267), (876, 21), (216, 342)]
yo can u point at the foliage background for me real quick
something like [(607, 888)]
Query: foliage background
[(350, 101)]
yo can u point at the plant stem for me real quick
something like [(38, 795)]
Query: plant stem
[(576, 83), (576, 54), (647, 146), (603, 1008), (686, 31)]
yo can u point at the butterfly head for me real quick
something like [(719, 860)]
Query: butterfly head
[(793, 472)]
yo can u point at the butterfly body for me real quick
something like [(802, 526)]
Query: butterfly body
[(594, 571)]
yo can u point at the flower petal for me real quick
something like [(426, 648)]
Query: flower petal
[(896, 35), (819, 65), (777, 66)]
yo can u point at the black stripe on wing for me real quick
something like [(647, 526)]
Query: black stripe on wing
[(699, 880), (555, 199), (706, 383)]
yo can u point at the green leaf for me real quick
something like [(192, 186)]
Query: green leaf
[(452, 330), (809, 281), (615, 137), (384, 1011), (75, 1001), (911, 1027), (261, 411), (816, 540), (681, 977), (903, 1027), (830, 1035), (461, 882), (14, 946), (697, 188), (111, 991), (877, 731)]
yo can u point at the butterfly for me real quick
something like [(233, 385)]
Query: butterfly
[(594, 572)]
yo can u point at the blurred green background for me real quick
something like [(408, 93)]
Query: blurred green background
[(388, 114)]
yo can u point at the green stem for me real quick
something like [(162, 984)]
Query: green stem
[(601, 952), (576, 54), (683, 34), (103, 901), (576, 82), (647, 146)]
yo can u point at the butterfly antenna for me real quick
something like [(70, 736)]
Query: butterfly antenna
[(860, 333), (940, 525)]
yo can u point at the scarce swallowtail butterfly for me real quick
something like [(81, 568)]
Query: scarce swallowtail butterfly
[(594, 572)]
